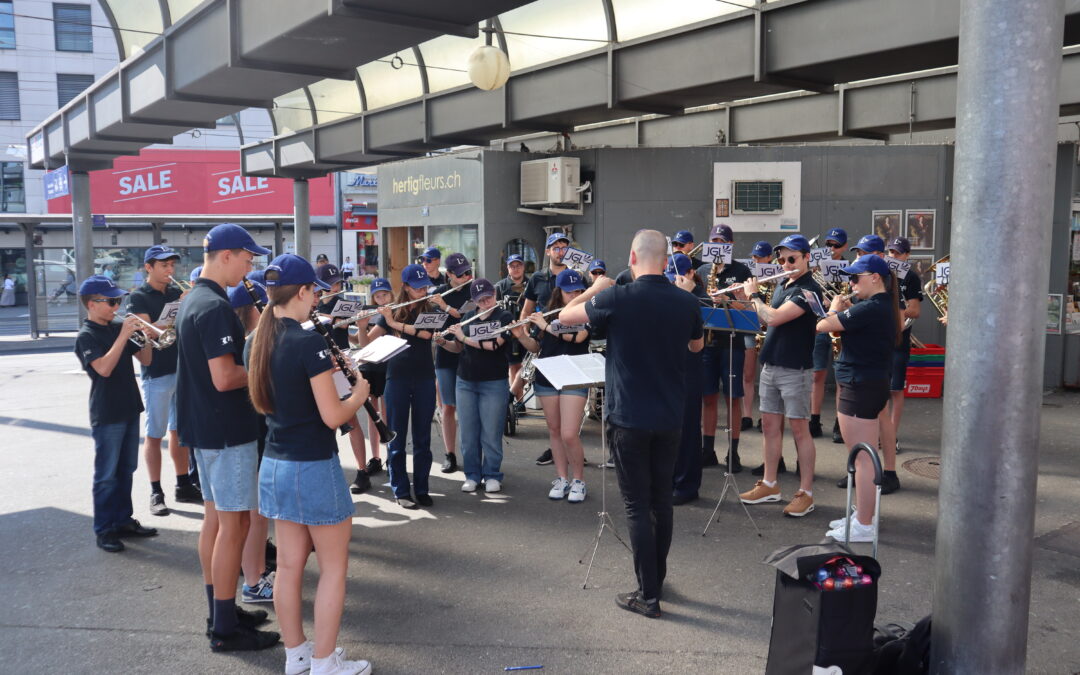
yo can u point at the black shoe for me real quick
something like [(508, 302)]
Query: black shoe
[(898, 446), (842, 483), (633, 602), (189, 494), (736, 463), (758, 425), (271, 556), (449, 465), (361, 484), (678, 499), (424, 500), (108, 541), (837, 437), (815, 429), (889, 484), (135, 529), (747, 424), (709, 459), (374, 466), (545, 458), (244, 639), (157, 504), (519, 407), (406, 503), (760, 471), (244, 617)]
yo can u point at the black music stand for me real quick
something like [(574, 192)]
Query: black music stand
[(744, 322)]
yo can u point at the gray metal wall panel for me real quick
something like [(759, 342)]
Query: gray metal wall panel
[(1065, 183), (55, 134), (264, 21), (464, 111), (107, 104), (501, 222), (788, 118), (204, 45), (398, 126), (685, 130), (617, 136), (257, 159), (146, 81), (558, 89), (78, 124), (296, 150), (340, 140)]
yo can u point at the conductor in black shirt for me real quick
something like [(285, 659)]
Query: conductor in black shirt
[(645, 383)]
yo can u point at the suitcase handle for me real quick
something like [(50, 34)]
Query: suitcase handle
[(864, 447), (878, 475)]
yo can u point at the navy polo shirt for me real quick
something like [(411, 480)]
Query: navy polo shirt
[(791, 345), (416, 361), (539, 288), (207, 327), (505, 288), (866, 341), (440, 280), (649, 324), (457, 300), (910, 289), (624, 277), (340, 335), (733, 273), (296, 431), (150, 301), (555, 345), (484, 365), (114, 398)]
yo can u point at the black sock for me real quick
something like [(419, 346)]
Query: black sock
[(815, 419), (183, 480), (836, 425), (225, 616), (708, 445), (890, 474), (155, 487), (734, 446), (210, 601)]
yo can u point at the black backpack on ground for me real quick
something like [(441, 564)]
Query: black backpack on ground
[(902, 651)]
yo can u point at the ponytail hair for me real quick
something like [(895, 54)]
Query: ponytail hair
[(898, 316), (266, 337), (402, 314)]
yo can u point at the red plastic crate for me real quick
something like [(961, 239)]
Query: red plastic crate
[(924, 382), (929, 349)]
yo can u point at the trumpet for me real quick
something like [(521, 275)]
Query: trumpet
[(163, 338), (184, 285)]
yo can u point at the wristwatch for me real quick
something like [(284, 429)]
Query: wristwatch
[(757, 296)]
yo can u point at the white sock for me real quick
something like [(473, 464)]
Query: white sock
[(769, 483), (809, 493)]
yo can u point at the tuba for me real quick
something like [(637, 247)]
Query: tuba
[(938, 295)]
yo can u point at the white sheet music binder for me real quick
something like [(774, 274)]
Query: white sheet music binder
[(573, 372), (381, 349)]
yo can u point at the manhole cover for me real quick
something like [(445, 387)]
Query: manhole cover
[(927, 467)]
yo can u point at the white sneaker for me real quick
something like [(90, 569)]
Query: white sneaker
[(839, 522), (468, 486), (336, 665), (859, 533), (298, 659), (492, 485), (577, 492), (559, 487), (608, 464)]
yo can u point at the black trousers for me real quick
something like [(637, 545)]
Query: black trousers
[(645, 466)]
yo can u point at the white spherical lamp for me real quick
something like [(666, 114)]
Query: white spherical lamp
[(489, 68)]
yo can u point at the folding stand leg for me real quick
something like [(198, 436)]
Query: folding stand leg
[(605, 518)]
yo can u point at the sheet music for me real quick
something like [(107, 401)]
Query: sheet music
[(381, 349), (572, 372)]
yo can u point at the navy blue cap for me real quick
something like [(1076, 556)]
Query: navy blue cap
[(722, 232), (762, 249), (556, 236), (99, 284), (329, 274), (432, 253), (480, 288), (195, 274), (230, 235), (678, 264), (415, 276), (292, 270), (795, 242), (570, 280), (871, 243), (159, 252), (458, 265), (868, 264), (683, 237), (380, 284), (836, 234), (900, 244), (239, 296), (515, 258), (597, 264), (258, 277)]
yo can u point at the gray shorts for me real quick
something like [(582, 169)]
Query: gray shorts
[(230, 477), (785, 391)]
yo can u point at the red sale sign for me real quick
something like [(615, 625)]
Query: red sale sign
[(192, 182)]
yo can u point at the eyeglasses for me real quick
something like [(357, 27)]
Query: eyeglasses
[(790, 259), (559, 249), (855, 277), (597, 273), (112, 302), (835, 245)]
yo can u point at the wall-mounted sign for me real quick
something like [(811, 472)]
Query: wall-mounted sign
[(57, 183)]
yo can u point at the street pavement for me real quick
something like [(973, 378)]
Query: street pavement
[(476, 583)]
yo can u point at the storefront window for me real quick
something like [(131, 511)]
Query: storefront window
[(456, 239), (522, 248), (13, 263)]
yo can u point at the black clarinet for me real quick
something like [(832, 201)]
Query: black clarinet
[(385, 434), (250, 287)]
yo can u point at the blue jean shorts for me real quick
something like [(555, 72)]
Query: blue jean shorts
[(542, 391), (230, 477), (159, 398), (447, 381), (308, 493)]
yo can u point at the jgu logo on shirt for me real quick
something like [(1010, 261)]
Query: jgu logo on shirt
[(324, 354), (482, 330), (226, 339)]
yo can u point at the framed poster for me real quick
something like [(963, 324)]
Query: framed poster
[(887, 224), (921, 265), (921, 224), (1053, 313)]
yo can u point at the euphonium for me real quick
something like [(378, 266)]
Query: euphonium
[(939, 295)]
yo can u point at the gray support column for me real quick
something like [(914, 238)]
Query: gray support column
[(83, 231), (279, 239), (31, 277), (1007, 108), (157, 228), (301, 218)]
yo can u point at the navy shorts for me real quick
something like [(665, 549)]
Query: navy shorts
[(822, 352), (900, 358), (715, 364)]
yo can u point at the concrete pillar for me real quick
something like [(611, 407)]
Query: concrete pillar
[(157, 230), (83, 231), (279, 239), (1006, 132), (302, 218), (31, 277)]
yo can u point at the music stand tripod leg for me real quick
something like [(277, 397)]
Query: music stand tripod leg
[(604, 516)]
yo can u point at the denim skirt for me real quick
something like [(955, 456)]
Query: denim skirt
[(308, 493)]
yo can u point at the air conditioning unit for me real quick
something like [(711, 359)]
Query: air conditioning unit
[(550, 181)]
